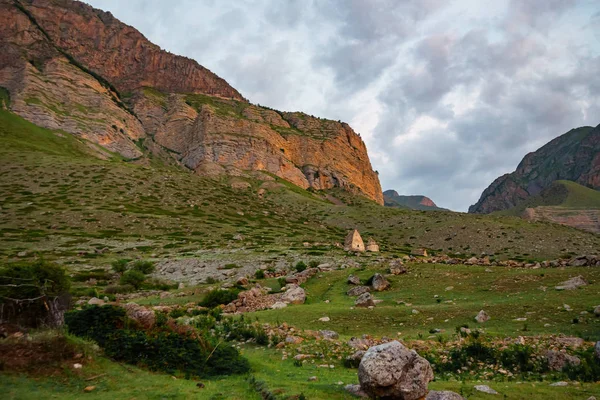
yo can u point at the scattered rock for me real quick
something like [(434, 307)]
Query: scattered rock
[(242, 281), (397, 267), (141, 315), (294, 339), (353, 280), (443, 395), (77, 366), (572, 283), (327, 334), (355, 390), (390, 370), (560, 383), (485, 389), (419, 252), (358, 290), (573, 342), (94, 301), (597, 350), (597, 311), (324, 319), (279, 305), (558, 360), (364, 300), (294, 295), (482, 317), (313, 378), (354, 242), (379, 283), (88, 389)]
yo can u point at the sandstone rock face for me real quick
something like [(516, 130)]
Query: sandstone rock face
[(390, 370), (574, 156), (587, 220), (354, 242), (85, 72)]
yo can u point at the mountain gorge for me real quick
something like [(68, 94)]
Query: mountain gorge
[(68, 66)]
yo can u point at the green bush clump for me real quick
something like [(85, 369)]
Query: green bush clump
[(119, 266), (157, 349), (31, 280), (300, 266), (259, 274), (313, 264), (589, 368), (87, 275), (133, 277), (144, 266), (118, 289), (218, 296)]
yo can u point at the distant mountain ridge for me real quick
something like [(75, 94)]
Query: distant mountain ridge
[(391, 198), (573, 156)]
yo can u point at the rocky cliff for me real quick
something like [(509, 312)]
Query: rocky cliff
[(69, 66), (574, 156), (391, 198)]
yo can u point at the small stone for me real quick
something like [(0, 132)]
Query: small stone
[(279, 305), (358, 290), (572, 284), (485, 389), (353, 280), (443, 395), (355, 390), (324, 319), (77, 366), (364, 300), (95, 301), (482, 317), (560, 383), (88, 389), (313, 378), (597, 311), (181, 285), (327, 334)]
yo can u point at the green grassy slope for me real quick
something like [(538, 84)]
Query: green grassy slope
[(60, 201), (565, 194)]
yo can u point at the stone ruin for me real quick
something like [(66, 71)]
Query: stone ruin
[(354, 242), (372, 246)]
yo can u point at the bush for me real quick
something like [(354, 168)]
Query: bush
[(300, 266), (119, 266), (118, 289), (313, 264), (45, 286), (217, 297), (158, 350), (259, 274), (133, 277), (144, 266)]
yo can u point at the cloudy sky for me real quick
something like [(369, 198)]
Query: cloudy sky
[(448, 95)]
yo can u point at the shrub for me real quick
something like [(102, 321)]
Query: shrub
[(117, 289), (259, 274), (300, 266), (119, 266), (144, 266), (45, 286), (218, 296), (313, 264), (158, 350), (133, 277)]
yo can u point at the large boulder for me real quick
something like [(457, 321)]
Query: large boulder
[(443, 395), (390, 370), (353, 280), (597, 311), (146, 318), (557, 360), (397, 267), (572, 284), (379, 283), (294, 295), (358, 290), (364, 300)]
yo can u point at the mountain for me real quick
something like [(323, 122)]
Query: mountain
[(563, 202), (68, 66), (574, 156), (391, 198)]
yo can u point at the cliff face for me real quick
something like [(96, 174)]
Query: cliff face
[(574, 156), (391, 198), (69, 66)]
